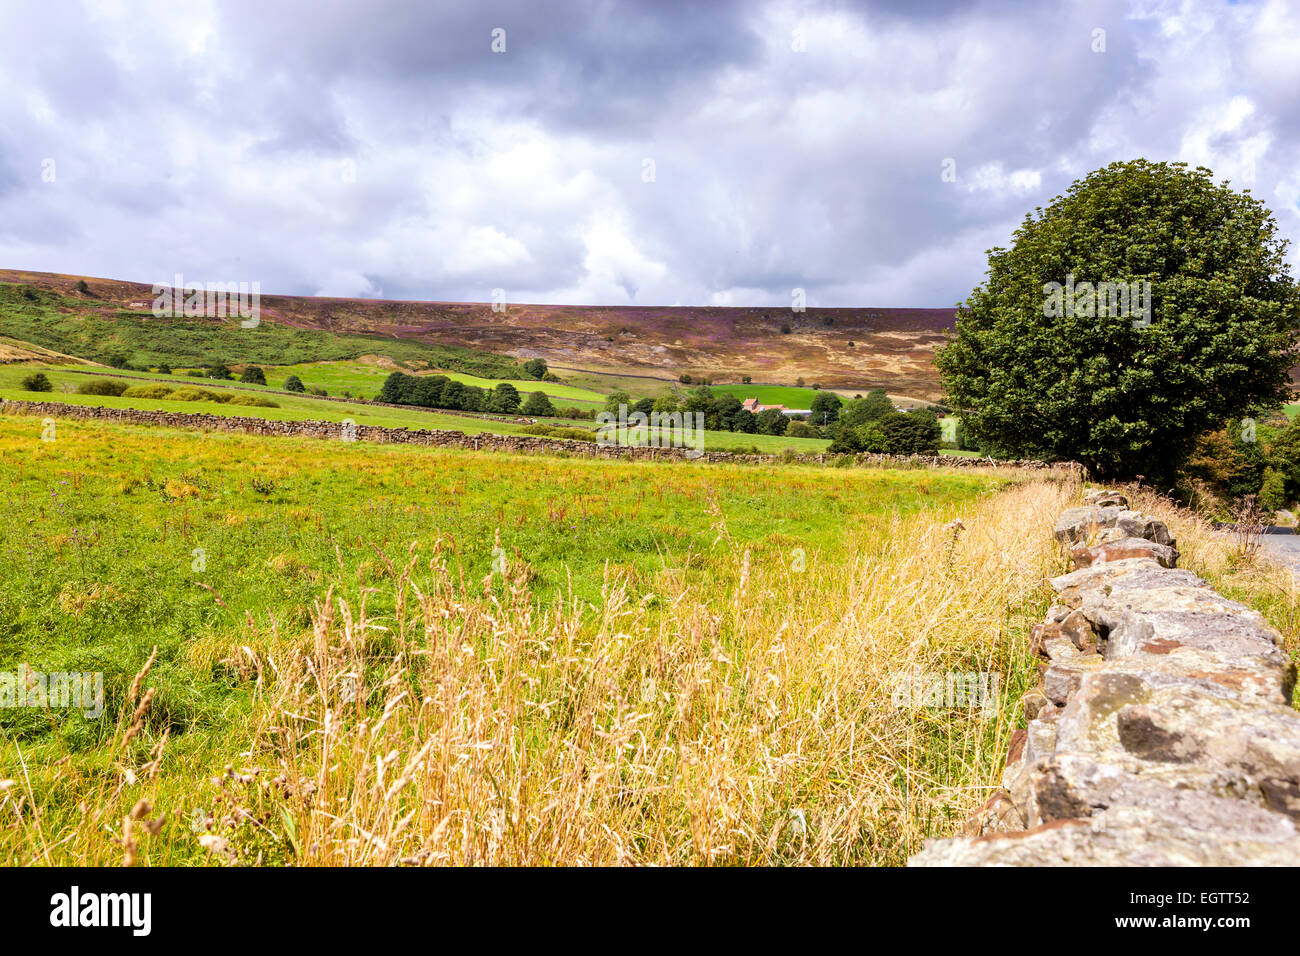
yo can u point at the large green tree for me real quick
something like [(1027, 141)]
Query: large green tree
[(1036, 371)]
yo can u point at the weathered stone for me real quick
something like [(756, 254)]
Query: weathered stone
[(1185, 828), (1121, 548), (998, 814), (1104, 498), (1175, 745)]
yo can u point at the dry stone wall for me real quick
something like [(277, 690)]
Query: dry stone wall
[(520, 444), (1163, 732)]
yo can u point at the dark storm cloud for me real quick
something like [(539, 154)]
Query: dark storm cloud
[(657, 152)]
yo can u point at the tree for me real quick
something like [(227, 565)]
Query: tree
[(253, 375), (910, 433), (645, 406), (164, 369), (852, 439), (744, 421), (538, 404), (825, 408), (294, 384), (798, 429), (723, 412), (616, 398), (219, 372), (772, 422), (746, 379), (1272, 491), (37, 382), (1034, 369), (504, 399), (82, 287), (536, 368), (873, 406)]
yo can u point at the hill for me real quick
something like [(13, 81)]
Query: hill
[(838, 348)]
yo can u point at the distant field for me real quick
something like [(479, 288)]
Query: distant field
[(1292, 410), (787, 395), (300, 407), (365, 377)]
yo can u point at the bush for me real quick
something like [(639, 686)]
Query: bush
[(559, 431), (258, 401), (253, 375), (153, 390), (535, 368), (799, 429), (317, 390), (294, 384), (192, 393), (102, 386), (538, 403), (219, 372), (164, 369), (852, 439), (196, 373), (37, 383)]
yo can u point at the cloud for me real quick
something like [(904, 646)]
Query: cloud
[(384, 149)]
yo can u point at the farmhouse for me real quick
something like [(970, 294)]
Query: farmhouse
[(752, 405)]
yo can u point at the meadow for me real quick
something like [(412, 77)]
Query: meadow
[(387, 654), (298, 407)]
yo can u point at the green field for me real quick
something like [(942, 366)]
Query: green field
[(786, 395), (219, 550), (364, 379), (302, 407)]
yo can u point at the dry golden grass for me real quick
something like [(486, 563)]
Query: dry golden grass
[(753, 725)]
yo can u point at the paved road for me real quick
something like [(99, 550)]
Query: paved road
[(1283, 548)]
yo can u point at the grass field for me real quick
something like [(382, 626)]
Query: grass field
[(383, 654), (364, 378), (300, 407)]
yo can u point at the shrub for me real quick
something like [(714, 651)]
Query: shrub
[(37, 383), (153, 390), (102, 386), (559, 431), (258, 401), (294, 384), (192, 393), (317, 390), (798, 429), (538, 403), (82, 287), (253, 375), (219, 372)]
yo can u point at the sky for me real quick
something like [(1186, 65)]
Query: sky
[(647, 152)]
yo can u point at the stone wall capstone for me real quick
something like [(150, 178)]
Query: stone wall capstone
[(1163, 732)]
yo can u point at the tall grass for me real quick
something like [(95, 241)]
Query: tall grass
[(749, 722)]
